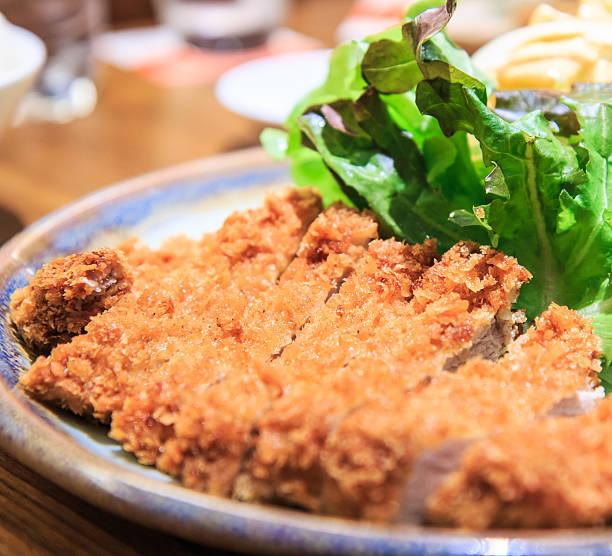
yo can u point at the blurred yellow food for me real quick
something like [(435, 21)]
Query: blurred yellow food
[(595, 10), (554, 73), (565, 51)]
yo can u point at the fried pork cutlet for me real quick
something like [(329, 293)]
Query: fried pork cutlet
[(416, 315), (170, 303), (391, 326), (361, 320), (64, 295), (549, 473), (214, 427), (331, 248), (294, 358), (335, 241), (368, 459)]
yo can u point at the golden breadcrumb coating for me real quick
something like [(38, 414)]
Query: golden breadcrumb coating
[(255, 332), (293, 357), (171, 304), (383, 333), (64, 295), (214, 432), (549, 473), (368, 457)]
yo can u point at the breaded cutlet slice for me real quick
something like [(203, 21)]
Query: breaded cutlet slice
[(263, 240), (214, 429), (172, 253), (334, 242), (147, 326), (462, 300), (371, 463), (550, 473), (65, 293), (370, 345), (363, 322)]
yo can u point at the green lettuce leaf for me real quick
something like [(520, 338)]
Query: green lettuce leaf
[(390, 66), (404, 125), (553, 212), (382, 168)]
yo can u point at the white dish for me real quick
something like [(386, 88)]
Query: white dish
[(266, 89), (22, 54)]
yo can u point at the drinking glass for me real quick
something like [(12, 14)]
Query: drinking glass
[(222, 24), (65, 88)]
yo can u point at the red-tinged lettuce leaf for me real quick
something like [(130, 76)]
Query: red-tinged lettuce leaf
[(419, 6), (425, 37), (344, 79), (539, 170), (561, 231), (373, 117), (390, 68), (308, 169), (551, 180), (514, 105), (534, 182), (430, 23), (385, 168), (393, 66)]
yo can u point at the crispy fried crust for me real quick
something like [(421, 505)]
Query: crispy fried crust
[(298, 361), (222, 428), (369, 456), (173, 302), (255, 332), (386, 331), (64, 295), (549, 473)]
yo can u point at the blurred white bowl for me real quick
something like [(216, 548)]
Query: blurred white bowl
[(22, 54)]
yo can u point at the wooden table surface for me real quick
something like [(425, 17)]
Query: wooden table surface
[(136, 127)]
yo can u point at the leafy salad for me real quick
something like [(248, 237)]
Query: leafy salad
[(404, 126)]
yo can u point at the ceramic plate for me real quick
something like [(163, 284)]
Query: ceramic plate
[(191, 199), (268, 88)]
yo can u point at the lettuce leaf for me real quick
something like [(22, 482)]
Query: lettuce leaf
[(382, 168), (404, 125), (553, 213)]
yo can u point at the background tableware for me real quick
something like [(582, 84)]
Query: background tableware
[(266, 89), (21, 56), (66, 87), (222, 25)]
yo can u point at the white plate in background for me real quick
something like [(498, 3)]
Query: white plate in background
[(266, 89)]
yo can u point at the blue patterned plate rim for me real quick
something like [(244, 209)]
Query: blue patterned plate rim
[(31, 433)]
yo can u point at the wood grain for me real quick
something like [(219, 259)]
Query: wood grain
[(37, 517), (136, 127)]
